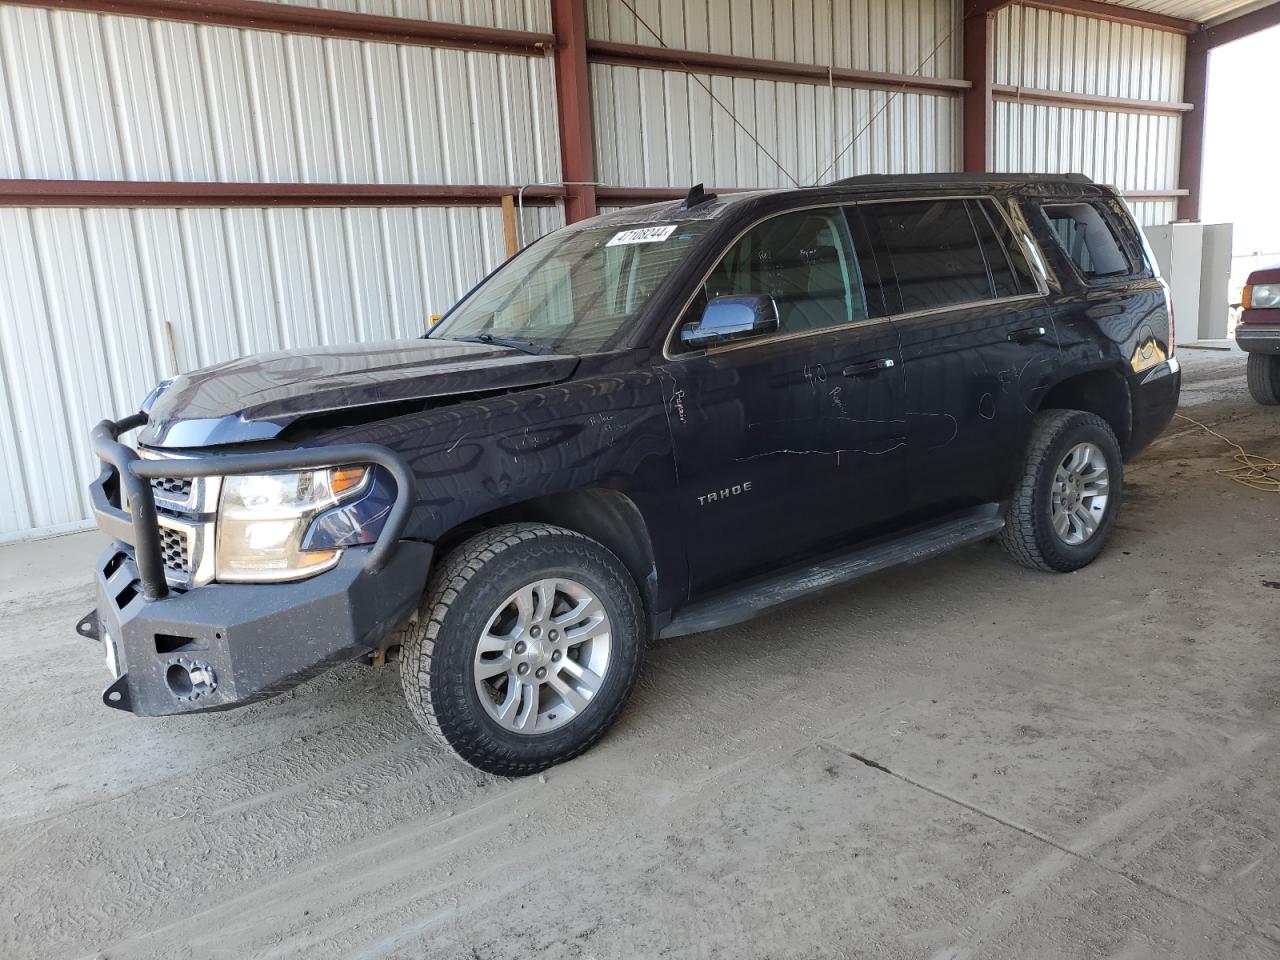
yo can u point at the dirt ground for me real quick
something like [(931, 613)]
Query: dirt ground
[(962, 759)]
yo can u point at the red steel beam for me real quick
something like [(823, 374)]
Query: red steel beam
[(573, 101), (726, 65), (1116, 13), (1195, 90), (635, 196), (149, 193), (976, 148), (290, 18)]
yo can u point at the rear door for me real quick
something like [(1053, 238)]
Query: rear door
[(978, 342)]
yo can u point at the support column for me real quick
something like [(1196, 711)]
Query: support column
[(979, 69), (573, 100), (1195, 91)]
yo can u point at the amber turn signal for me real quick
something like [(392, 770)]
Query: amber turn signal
[(342, 479)]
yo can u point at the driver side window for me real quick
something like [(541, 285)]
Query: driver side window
[(803, 260)]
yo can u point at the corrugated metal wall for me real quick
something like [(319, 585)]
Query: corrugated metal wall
[(105, 97), (1056, 51), (84, 293), (897, 36), (665, 128), (787, 134)]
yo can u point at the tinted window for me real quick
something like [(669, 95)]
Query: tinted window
[(934, 250), (1010, 272), (871, 254), (804, 261), (1087, 239)]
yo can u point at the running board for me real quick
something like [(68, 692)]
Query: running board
[(742, 603)]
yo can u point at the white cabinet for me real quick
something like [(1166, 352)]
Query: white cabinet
[(1195, 260)]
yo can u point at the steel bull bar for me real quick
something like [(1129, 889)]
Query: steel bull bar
[(243, 641), (138, 526)]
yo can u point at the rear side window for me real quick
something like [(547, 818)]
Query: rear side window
[(949, 252), (1011, 274), (1088, 240), (934, 250)]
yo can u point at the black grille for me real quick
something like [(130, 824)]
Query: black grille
[(173, 547), (174, 488)]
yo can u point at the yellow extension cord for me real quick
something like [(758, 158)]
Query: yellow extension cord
[(1253, 471)]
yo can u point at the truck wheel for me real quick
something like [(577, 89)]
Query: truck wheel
[(1263, 374), (1064, 506), (526, 646)]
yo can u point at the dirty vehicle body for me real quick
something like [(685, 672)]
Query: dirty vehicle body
[(648, 424), (1258, 333)]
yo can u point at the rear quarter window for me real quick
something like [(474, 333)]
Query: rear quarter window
[(1090, 240)]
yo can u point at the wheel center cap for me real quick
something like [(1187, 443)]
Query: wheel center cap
[(535, 650)]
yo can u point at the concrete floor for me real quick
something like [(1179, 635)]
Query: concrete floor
[(1064, 766)]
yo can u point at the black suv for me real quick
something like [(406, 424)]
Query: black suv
[(647, 424)]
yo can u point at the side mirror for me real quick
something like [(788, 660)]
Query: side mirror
[(728, 319)]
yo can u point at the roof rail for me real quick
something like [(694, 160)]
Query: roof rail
[(942, 178)]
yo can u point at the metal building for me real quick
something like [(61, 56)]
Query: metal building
[(185, 183)]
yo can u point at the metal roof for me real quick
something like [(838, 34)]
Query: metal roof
[(1199, 10)]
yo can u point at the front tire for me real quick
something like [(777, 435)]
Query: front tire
[(1263, 374), (1064, 507), (526, 647)]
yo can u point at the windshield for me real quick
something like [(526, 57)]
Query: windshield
[(574, 291)]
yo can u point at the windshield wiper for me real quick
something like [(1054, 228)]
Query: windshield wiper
[(526, 346)]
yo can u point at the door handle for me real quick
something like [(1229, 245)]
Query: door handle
[(870, 367), (1027, 334), (1104, 310)]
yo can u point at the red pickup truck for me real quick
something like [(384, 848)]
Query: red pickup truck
[(1258, 333)]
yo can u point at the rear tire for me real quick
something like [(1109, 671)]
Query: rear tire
[(525, 649), (1263, 373), (1064, 507)]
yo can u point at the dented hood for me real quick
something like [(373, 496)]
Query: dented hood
[(256, 397)]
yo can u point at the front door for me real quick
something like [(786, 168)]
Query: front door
[(786, 442)]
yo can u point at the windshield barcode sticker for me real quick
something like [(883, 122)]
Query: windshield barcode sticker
[(641, 235)]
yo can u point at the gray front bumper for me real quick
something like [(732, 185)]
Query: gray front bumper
[(1258, 339), (248, 641)]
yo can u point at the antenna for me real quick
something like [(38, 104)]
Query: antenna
[(696, 197)]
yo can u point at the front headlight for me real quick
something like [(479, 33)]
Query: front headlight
[(1262, 296), (263, 519)]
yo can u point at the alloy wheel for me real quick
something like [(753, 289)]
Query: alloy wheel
[(1078, 498), (542, 656)]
